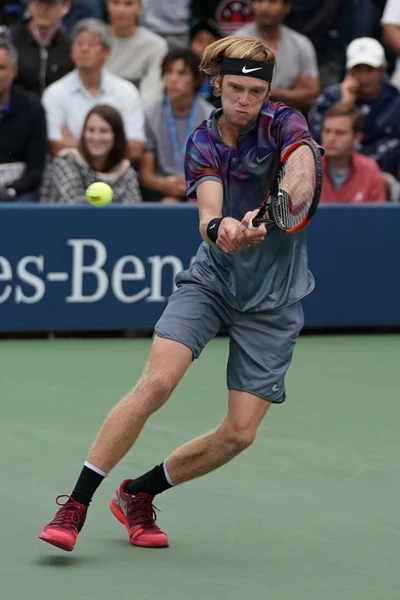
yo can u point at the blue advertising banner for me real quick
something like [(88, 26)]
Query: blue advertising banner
[(85, 268)]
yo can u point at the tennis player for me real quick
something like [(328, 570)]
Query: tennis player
[(248, 281)]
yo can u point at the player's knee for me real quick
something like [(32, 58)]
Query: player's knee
[(155, 390), (239, 439)]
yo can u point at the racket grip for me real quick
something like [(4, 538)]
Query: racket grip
[(251, 226)]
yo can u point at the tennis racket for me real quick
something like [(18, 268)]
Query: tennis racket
[(294, 196)]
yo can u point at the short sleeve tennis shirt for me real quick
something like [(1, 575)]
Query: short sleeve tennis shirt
[(274, 273)]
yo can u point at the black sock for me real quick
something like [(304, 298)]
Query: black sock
[(86, 485), (154, 482)]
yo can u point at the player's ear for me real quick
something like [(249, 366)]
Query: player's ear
[(268, 96), (217, 85)]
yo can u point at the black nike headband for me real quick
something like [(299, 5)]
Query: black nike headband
[(248, 68)]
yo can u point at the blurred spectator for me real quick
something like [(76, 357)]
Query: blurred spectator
[(296, 79), (100, 157), (228, 14), (391, 33), (170, 19), (68, 101), (83, 9), (169, 122), (321, 23), (202, 34), (11, 11), (44, 49), (23, 140), (136, 53), (348, 175), (367, 87)]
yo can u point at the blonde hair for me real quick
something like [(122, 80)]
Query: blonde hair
[(233, 47)]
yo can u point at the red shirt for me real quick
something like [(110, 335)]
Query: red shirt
[(363, 184)]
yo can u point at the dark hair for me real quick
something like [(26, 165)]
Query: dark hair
[(119, 149), (341, 109), (190, 59)]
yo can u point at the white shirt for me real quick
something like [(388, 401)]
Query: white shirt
[(391, 16), (138, 59), (67, 103)]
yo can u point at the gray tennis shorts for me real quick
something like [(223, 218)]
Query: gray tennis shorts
[(261, 343)]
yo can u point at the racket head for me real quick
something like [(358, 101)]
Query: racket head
[(295, 196)]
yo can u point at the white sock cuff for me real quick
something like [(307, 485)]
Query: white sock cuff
[(95, 469), (167, 477)]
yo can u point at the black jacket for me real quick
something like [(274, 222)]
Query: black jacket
[(23, 138)]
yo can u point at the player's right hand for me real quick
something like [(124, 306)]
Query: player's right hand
[(228, 240)]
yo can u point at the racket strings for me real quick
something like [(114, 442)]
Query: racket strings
[(296, 186)]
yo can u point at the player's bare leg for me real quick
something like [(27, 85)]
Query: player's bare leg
[(132, 503), (212, 450), (166, 366)]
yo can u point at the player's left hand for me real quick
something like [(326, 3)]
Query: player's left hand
[(250, 237)]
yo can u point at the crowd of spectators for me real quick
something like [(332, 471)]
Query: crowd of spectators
[(109, 90)]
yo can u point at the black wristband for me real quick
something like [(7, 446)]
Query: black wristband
[(212, 229)]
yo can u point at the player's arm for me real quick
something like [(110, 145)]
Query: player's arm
[(209, 198)]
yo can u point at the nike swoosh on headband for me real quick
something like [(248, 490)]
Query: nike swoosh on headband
[(246, 70)]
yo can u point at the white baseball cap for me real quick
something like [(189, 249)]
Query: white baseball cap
[(365, 51)]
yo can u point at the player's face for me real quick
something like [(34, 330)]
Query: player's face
[(47, 14), (98, 136), (338, 137), (7, 72), (269, 13), (124, 12), (242, 98), (368, 79), (88, 51), (179, 81), (201, 41)]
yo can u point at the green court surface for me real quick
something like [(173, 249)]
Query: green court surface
[(309, 512)]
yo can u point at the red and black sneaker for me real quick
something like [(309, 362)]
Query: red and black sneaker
[(63, 530), (138, 514)]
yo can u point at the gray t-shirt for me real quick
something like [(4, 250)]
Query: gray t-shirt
[(296, 55), (138, 58), (158, 137), (274, 273)]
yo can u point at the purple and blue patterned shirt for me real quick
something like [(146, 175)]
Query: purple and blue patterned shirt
[(274, 273)]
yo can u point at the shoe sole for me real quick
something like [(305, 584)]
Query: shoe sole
[(56, 543), (119, 515)]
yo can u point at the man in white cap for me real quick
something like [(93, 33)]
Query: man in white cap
[(367, 86)]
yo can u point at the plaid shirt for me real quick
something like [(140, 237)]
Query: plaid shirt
[(68, 176)]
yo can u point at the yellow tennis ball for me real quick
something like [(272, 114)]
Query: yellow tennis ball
[(99, 194)]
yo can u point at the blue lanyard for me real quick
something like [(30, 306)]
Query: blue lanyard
[(179, 152)]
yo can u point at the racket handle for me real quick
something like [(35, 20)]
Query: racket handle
[(251, 226)]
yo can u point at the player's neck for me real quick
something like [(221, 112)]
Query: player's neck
[(340, 164), (181, 106), (124, 31), (229, 132)]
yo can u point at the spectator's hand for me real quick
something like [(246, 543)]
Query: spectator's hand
[(67, 136), (5, 196), (170, 200), (174, 185), (348, 89)]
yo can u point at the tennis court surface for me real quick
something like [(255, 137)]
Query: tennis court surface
[(310, 512)]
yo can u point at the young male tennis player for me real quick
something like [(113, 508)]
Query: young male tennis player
[(249, 281)]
